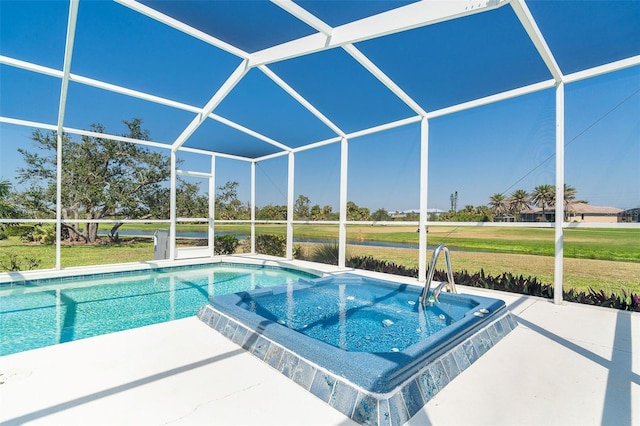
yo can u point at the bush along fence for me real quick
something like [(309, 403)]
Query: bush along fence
[(506, 282)]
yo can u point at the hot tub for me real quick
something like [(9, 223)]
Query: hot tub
[(366, 346)]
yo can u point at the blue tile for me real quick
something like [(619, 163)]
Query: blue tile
[(482, 342), (495, 332), (500, 329), (274, 355), (322, 385), (204, 314), (221, 324), (288, 363), (506, 326), (461, 357), (239, 335), (450, 366), (385, 412), (366, 410), (398, 409), (214, 320), (250, 339), (343, 398), (260, 347), (412, 396), (470, 351), (439, 376), (303, 374), (229, 329), (427, 385)]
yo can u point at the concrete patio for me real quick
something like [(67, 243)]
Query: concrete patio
[(564, 364)]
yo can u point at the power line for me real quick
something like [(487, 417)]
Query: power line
[(585, 130)]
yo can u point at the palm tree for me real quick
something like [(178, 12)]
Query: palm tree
[(543, 196), (498, 204), (518, 201), (569, 198), (569, 195)]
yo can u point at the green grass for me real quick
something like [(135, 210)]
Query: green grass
[(606, 259)]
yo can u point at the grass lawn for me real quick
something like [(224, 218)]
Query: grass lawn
[(607, 259)]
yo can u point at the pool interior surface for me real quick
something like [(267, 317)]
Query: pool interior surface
[(40, 313), (357, 317), (359, 343)]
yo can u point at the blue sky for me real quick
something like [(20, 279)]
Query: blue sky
[(492, 149)]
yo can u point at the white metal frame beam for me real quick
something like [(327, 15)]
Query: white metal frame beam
[(404, 18), (384, 79), (535, 35), (181, 26), (293, 93), (215, 100), (304, 15), (68, 53)]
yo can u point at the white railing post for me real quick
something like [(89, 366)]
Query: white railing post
[(172, 207), (558, 272), (253, 207), (424, 184), (342, 232), (212, 207), (290, 195)]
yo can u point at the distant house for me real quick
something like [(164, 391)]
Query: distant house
[(504, 218), (402, 214), (631, 215), (575, 212)]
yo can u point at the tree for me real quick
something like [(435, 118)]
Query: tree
[(301, 208), (101, 179), (356, 213), (328, 214), (569, 195), (189, 201), (543, 196), (380, 215), (228, 206), (453, 198), (271, 212), (7, 209), (498, 203), (316, 213), (518, 201)]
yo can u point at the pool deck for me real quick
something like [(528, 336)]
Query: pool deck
[(564, 364)]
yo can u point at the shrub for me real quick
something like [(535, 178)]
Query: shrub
[(13, 263), (225, 244), (44, 234), (274, 245), (369, 263), (326, 253), (506, 282), (17, 230), (3, 235)]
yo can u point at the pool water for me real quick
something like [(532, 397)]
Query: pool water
[(356, 317), (35, 315)]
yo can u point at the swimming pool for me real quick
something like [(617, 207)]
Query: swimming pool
[(365, 346), (40, 313)]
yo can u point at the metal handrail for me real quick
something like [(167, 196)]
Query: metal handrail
[(450, 284)]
